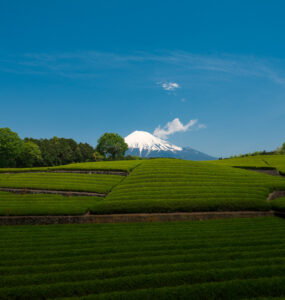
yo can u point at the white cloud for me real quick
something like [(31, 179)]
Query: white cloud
[(175, 126), (170, 86)]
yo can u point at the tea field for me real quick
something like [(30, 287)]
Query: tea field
[(221, 259), (258, 162), (156, 185), (60, 181), (123, 165)]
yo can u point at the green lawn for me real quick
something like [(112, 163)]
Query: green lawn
[(223, 259)]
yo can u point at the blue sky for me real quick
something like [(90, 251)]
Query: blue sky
[(81, 68)]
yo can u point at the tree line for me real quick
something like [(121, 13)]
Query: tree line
[(30, 152)]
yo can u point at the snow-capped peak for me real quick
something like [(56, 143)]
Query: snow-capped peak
[(143, 140)]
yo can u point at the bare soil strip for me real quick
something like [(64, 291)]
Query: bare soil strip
[(53, 192), (268, 172), (130, 218), (120, 173), (273, 172), (275, 194)]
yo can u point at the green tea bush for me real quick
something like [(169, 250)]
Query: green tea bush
[(223, 259)]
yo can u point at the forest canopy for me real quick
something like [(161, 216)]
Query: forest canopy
[(30, 152)]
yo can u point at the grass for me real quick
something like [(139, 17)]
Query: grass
[(224, 259), (159, 185), (61, 181)]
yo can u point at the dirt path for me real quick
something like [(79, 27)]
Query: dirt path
[(275, 194), (53, 192), (268, 172), (273, 172), (131, 218)]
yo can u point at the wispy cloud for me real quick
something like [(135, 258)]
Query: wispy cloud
[(86, 64), (176, 126), (170, 86)]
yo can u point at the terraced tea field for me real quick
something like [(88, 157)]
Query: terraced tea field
[(44, 204), (258, 162), (165, 185), (158, 185), (60, 181), (124, 165), (222, 259)]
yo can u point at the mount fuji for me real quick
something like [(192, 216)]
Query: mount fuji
[(144, 144)]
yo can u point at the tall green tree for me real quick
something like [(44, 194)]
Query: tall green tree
[(30, 155), (112, 144), (10, 147)]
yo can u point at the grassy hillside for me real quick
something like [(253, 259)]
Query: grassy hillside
[(225, 259), (158, 185)]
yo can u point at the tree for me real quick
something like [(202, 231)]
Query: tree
[(59, 151), (86, 151), (30, 155), (282, 149), (10, 147), (97, 156), (112, 144)]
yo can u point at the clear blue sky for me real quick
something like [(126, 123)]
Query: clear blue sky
[(81, 68)]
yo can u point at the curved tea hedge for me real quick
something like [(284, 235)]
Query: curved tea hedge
[(157, 185), (167, 185), (224, 259), (258, 162), (60, 181), (123, 165), (42, 204)]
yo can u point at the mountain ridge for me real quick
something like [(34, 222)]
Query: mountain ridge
[(144, 144)]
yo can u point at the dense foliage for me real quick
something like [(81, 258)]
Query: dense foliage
[(30, 155), (221, 259), (31, 152), (112, 144), (11, 147), (59, 151)]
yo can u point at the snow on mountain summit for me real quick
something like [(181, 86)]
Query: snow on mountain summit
[(144, 141)]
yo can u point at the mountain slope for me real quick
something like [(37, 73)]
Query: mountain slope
[(144, 144)]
